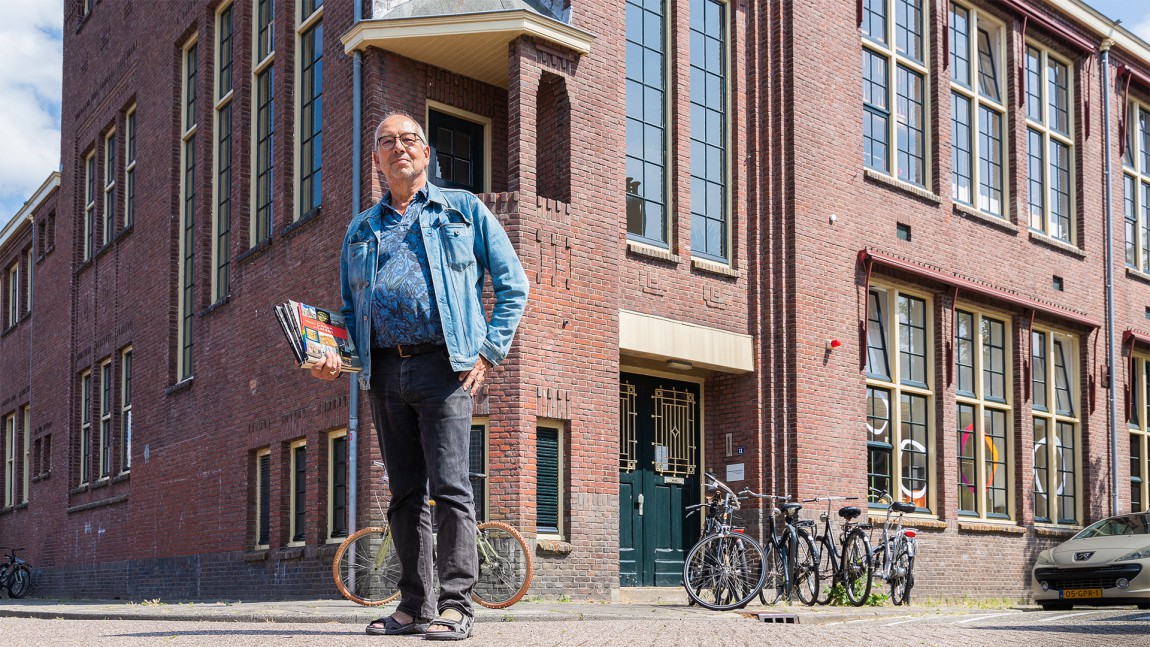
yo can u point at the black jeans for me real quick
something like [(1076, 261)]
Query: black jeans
[(423, 418)]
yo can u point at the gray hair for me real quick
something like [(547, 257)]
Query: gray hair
[(401, 113)]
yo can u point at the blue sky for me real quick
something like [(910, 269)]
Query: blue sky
[(30, 72)]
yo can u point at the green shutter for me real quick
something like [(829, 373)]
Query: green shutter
[(265, 481), (547, 481), (477, 464)]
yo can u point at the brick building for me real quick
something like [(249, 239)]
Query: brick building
[(923, 182)]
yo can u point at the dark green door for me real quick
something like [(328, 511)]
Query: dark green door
[(658, 477)]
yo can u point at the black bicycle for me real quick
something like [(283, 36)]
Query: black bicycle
[(724, 570), (852, 567), (15, 575), (792, 555), (892, 557)]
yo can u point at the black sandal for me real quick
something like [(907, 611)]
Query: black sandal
[(393, 627), (457, 629)]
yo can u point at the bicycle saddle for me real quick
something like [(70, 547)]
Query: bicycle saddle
[(903, 507), (790, 508), (850, 512)]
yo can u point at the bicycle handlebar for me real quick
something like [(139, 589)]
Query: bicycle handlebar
[(830, 498)]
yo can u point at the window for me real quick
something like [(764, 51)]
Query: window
[(130, 167), (977, 109), (89, 206), (709, 234), (109, 214), (13, 294), (221, 224), (983, 376), (548, 480), (85, 8), (1049, 144), (28, 282), (899, 396), (126, 410), (1139, 425), (457, 151), (27, 452), (10, 461), (264, 113), (85, 425), (263, 497), (1136, 186), (46, 456), (646, 122), (310, 155), (477, 464), (105, 419), (337, 485), (297, 516), (895, 77), (1054, 380), (187, 236)]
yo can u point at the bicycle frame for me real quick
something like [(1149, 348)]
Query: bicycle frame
[(890, 540)]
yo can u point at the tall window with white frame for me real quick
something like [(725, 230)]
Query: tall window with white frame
[(983, 440), (309, 158), (1049, 144), (27, 452), (221, 224), (1054, 401), (105, 456), (187, 240), (89, 206), (646, 122), (709, 229), (297, 516), (899, 396), (263, 497), (85, 426), (126, 410), (264, 115), (13, 294), (130, 167), (10, 461), (1139, 425), (1136, 186), (895, 78), (978, 109), (28, 282), (108, 218), (337, 521)]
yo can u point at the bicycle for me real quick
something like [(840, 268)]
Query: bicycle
[(892, 560), (15, 575), (796, 551), (724, 570), (366, 567), (851, 568)]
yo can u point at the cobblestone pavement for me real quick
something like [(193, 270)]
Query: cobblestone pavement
[(570, 624)]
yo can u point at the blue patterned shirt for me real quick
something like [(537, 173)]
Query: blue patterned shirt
[(403, 305)]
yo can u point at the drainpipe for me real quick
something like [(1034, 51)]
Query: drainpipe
[(1112, 403), (353, 396)]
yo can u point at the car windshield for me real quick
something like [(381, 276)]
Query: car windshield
[(1129, 524)]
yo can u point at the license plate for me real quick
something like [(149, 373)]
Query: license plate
[(1081, 594)]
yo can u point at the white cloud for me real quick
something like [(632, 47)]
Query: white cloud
[(30, 78)]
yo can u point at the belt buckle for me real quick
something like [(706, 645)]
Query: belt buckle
[(399, 349)]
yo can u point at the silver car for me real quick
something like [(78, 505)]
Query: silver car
[(1106, 563)]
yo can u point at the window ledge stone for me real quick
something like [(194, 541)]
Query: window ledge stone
[(182, 385), (651, 251), (917, 191), (553, 546), (990, 526), (294, 552), (981, 216), (925, 523), (1056, 244), (257, 555), (120, 498), (1055, 531), (1137, 274), (714, 267)]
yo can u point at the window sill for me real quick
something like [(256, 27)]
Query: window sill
[(924, 523), (122, 476), (303, 221), (553, 545), (991, 526), (986, 218), (253, 252), (704, 265), (907, 187), (216, 306), (182, 385), (1056, 244), (1137, 274), (293, 551), (1043, 530), (650, 251), (258, 554), (119, 498), (8, 330)]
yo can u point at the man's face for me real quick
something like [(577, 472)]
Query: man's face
[(400, 163)]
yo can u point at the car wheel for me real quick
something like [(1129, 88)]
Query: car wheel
[(1055, 606)]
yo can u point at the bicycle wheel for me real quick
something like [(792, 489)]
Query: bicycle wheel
[(724, 572), (505, 565), (21, 582), (900, 575), (856, 568), (826, 570), (806, 570), (366, 568)]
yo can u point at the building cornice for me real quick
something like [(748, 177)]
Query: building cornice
[(25, 213)]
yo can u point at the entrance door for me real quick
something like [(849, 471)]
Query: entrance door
[(658, 477)]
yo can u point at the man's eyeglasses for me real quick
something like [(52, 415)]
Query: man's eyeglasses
[(387, 142)]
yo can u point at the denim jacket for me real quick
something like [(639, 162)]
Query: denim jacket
[(463, 241)]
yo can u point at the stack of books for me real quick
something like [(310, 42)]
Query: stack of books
[(312, 332)]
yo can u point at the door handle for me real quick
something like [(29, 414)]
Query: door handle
[(640, 500)]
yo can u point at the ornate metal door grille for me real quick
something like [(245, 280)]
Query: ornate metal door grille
[(627, 416), (675, 432)]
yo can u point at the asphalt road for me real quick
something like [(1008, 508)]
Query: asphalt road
[(1001, 628)]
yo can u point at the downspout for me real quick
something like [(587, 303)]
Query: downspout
[(1112, 404), (353, 396)]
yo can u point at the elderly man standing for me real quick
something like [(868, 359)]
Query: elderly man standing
[(411, 273)]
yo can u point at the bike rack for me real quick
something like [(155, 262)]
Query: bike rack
[(778, 618)]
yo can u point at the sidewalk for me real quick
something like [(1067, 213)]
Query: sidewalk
[(342, 611)]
